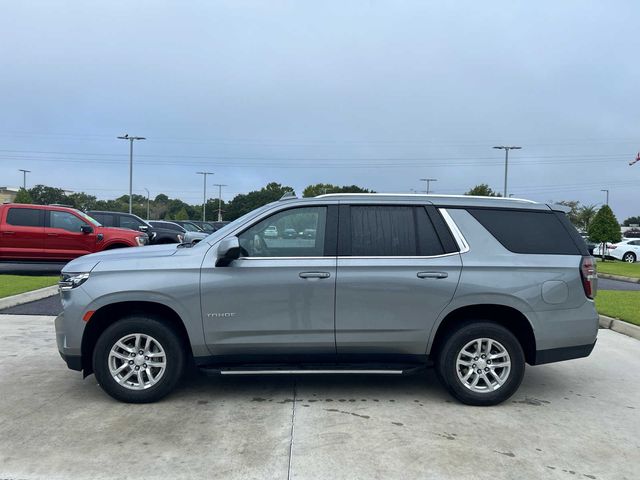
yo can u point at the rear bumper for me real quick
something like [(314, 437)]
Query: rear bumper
[(74, 362), (564, 353)]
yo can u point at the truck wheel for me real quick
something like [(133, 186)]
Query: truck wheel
[(481, 363), (138, 359)]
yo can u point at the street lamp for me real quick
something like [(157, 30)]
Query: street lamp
[(506, 163), (148, 195), (607, 192), (204, 201), (219, 185), (428, 182), (24, 177), (131, 140)]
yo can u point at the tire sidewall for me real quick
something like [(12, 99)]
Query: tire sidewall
[(168, 339), (449, 354), (629, 255)]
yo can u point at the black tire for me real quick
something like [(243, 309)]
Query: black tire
[(456, 341), (629, 257), (163, 334)]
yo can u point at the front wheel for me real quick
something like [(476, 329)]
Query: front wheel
[(138, 359), (629, 257), (481, 363)]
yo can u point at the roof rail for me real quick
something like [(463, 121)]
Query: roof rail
[(288, 196)]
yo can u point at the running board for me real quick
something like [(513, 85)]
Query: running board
[(311, 372)]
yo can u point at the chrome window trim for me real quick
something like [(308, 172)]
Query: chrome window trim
[(287, 258), (348, 257), (463, 246)]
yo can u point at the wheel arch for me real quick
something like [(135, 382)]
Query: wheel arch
[(108, 314), (509, 317)]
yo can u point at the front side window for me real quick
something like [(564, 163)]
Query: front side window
[(25, 217), (392, 231), (298, 232), (65, 221), (130, 222)]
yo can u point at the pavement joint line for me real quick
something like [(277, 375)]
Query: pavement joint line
[(293, 420)]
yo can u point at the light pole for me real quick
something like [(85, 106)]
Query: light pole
[(148, 195), (428, 182), (506, 164), (24, 177), (131, 140), (204, 198), (607, 192), (219, 185)]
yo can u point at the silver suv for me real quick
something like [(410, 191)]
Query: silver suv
[(388, 284)]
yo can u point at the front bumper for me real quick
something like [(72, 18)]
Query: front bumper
[(72, 357)]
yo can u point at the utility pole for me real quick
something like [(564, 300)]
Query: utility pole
[(131, 140), (204, 199), (607, 192), (148, 195), (24, 177), (219, 185), (428, 182), (506, 164)]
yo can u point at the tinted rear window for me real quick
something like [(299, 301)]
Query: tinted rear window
[(25, 217), (399, 231), (527, 231)]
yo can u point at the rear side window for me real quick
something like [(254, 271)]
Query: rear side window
[(104, 218), (25, 217), (392, 231), (527, 231)]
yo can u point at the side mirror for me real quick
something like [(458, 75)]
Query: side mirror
[(86, 229), (228, 251), (143, 228)]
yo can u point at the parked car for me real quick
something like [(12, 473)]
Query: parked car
[(289, 233), (309, 233), (48, 232), (271, 232), (189, 226), (627, 250), (209, 227), (190, 236), (391, 284), (157, 235), (590, 244)]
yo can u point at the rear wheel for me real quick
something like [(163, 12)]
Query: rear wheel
[(138, 359), (481, 363), (629, 257)]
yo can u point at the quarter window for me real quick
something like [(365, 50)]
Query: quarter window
[(298, 232), (65, 221), (25, 217)]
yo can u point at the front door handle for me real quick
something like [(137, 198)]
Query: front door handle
[(433, 274), (314, 274)]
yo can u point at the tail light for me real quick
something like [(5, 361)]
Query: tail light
[(589, 276), (612, 246)]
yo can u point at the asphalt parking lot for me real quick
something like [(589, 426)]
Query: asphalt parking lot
[(577, 419)]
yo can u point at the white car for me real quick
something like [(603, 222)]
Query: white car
[(627, 250), (271, 232)]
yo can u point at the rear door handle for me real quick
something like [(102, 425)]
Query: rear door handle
[(9, 233), (433, 274), (314, 274)]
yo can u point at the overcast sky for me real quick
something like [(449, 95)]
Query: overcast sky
[(376, 93)]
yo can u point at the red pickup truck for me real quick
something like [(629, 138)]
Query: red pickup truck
[(49, 232)]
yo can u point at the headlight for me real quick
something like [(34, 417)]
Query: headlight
[(141, 241), (69, 281), (180, 238)]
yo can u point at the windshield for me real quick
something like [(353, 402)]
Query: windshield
[(229, 227), (89, 219), (190, 227)]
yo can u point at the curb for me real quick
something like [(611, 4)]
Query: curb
[(27, 297), (620, 278), (620, 326)]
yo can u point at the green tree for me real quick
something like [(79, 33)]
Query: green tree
[(244, 203), (574, 211), (23, 196), (632, 221), (44, 195), (483, 190), (323, 188), (585, 216), (82, 201), (181, 215), (604, 228)]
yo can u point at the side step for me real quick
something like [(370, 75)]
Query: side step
[(310, 370)]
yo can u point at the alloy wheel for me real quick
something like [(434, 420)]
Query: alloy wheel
[(137, 361), (483, 365)]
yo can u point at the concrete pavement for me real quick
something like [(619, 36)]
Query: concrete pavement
[(571, 420)]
